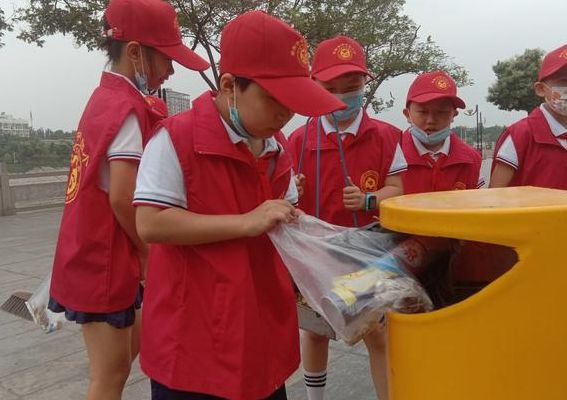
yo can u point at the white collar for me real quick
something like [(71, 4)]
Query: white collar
[(127, 80), (421, 149), (270, 144), (556, 127), (328, 127)]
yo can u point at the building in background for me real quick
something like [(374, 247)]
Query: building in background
[(176, 101), (10, 125)]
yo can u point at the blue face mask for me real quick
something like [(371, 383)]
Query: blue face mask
[(141, 82), (354, 101), (432, 139), (235, 119), (141, 79)]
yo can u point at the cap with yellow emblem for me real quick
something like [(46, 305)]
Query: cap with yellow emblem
[(432, 86), (262, 48), (338, 56)]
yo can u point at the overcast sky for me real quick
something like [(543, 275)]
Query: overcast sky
[(54, 82)]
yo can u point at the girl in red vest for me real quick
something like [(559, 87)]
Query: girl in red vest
[(99, 260), (348, 162), (220, 318)]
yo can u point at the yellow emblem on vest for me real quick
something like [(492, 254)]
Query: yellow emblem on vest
[(79, 161), (460, 186), (369, 181)]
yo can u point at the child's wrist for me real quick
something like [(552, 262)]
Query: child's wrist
[(249, 226), (370, 201)]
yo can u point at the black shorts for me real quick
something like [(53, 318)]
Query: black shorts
[(161, 392), (119, 319)]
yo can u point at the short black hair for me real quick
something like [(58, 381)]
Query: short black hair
[(242, 83), (112, 46)]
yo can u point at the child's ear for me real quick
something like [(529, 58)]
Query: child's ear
[(539, 88), (226, 84), (133, 52), (406, 114)]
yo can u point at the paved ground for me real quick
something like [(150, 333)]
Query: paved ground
[(34, 365)]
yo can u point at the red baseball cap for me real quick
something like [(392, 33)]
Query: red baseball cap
[(262, 48), (434, 85), (152, 23), (553, 62), (338, 56)]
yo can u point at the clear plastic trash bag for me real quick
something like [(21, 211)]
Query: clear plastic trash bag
[(37, 306), (352, 276)]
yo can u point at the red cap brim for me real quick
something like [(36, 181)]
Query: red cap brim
[(544, 74), (337, 70), (424, 98), (301, 95), (184, 56)]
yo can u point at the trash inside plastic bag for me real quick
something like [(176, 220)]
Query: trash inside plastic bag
[(37, 306), (352, 276)]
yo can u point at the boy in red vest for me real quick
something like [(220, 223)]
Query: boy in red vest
[(533, 151), (348, 162), (219, 310), (437, 158), (99, 261)]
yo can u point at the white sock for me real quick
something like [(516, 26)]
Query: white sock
[(315, 384)]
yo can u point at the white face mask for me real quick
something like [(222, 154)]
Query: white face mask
[(558, 100)]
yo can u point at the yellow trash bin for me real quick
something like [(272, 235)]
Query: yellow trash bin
[(507, 342)]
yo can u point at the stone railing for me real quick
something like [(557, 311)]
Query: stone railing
[(31, 191)]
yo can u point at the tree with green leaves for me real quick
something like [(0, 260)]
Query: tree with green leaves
[(390, 38), (515, 78), (22, 154), (4, 26)]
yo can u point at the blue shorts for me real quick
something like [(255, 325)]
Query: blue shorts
[(118, 319), (161, 392)]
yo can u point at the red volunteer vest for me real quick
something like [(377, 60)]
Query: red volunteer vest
[(220, 318), (368, 155), (543, 161), (459, 170), (96, 268)]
